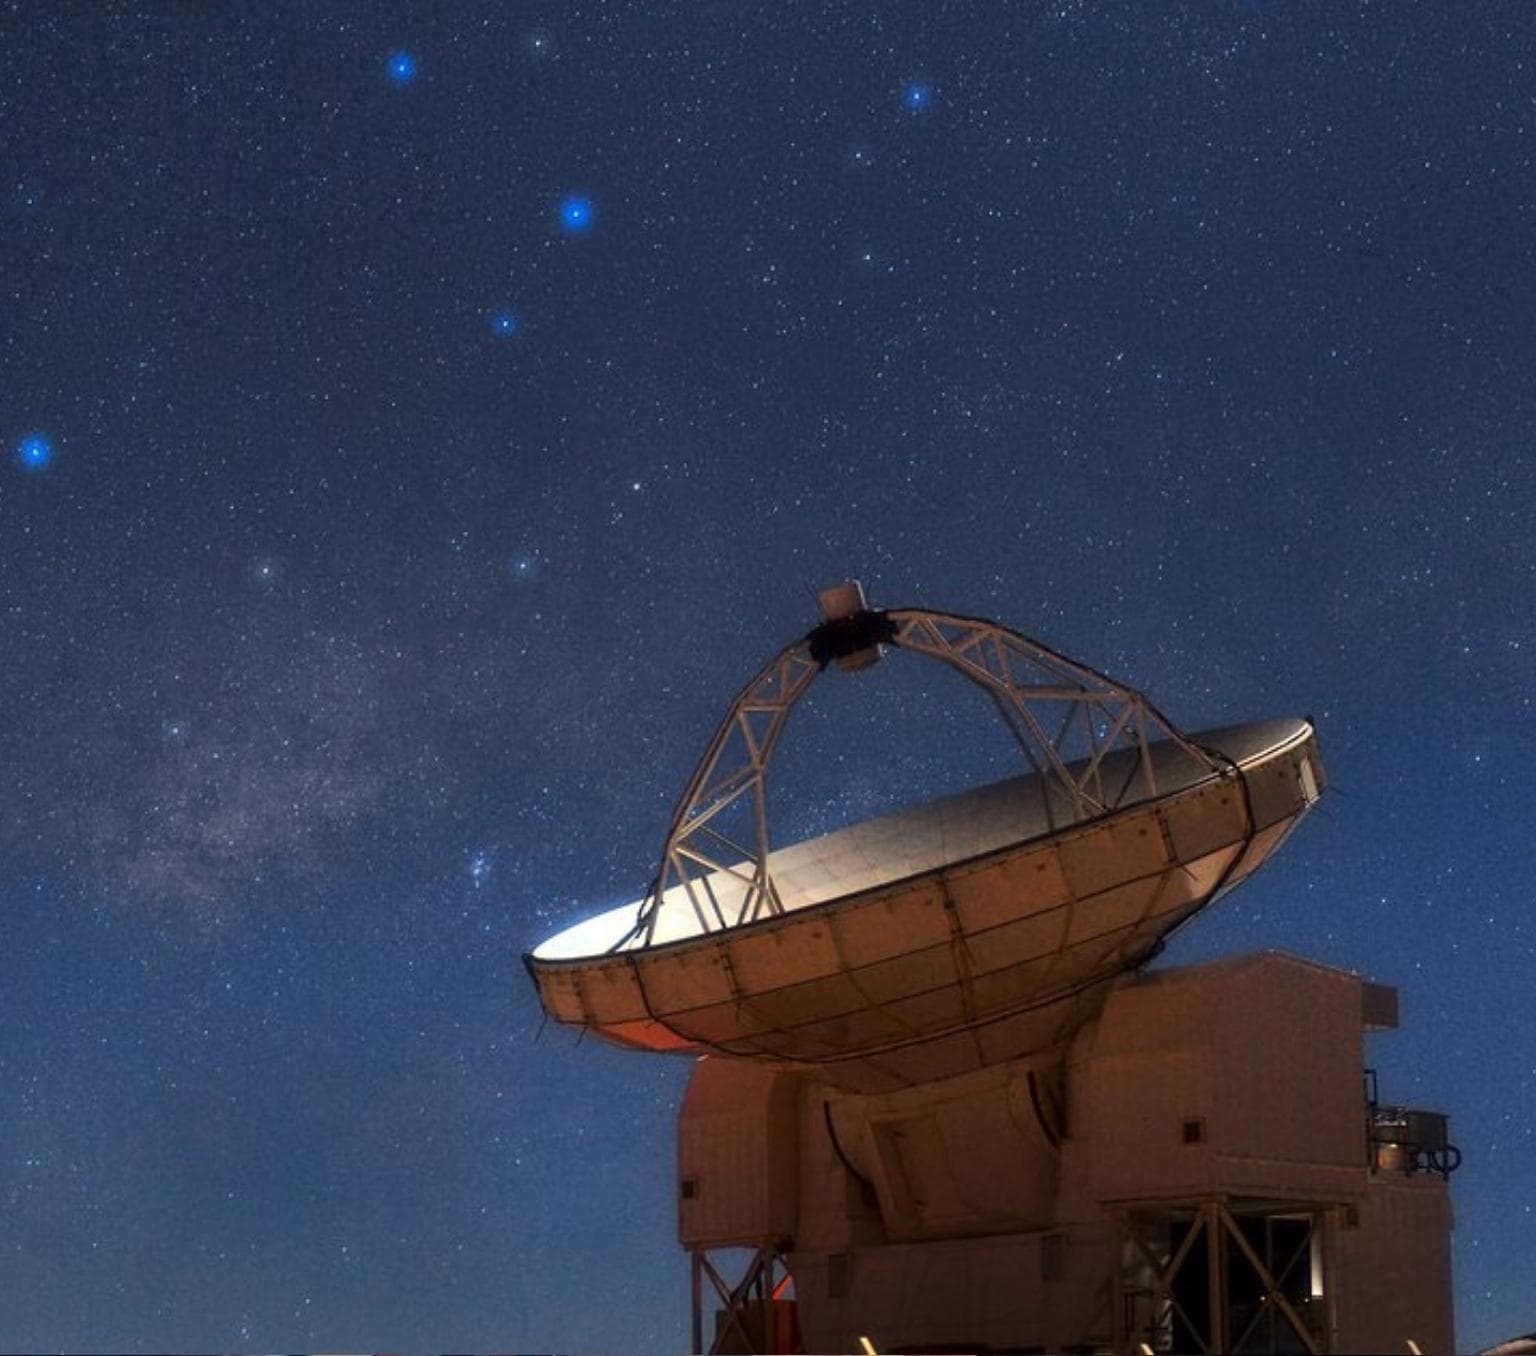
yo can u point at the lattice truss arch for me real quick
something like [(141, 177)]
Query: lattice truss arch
[(1067, 719)]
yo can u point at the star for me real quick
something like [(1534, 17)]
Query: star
[(34, 451), (576, 214), (916, 96), (504, 324), (266, 571), (401, 68)]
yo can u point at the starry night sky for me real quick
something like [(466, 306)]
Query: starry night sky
[(418, 421)]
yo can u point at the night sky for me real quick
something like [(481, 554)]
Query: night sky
[(419, 420)]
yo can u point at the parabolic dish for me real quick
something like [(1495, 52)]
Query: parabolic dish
[(973, 930)]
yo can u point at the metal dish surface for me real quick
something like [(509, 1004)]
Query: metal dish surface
[(971, 931)]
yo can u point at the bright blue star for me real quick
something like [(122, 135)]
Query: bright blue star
[(576, 214), (504, 324), (34, 451), (916, 96), (401, 68)]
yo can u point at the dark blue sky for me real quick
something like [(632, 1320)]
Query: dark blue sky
[(418, 421)]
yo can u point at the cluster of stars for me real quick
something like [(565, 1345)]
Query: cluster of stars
[(576, 213), (479, 868)]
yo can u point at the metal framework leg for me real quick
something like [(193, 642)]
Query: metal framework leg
[(697, 1268), (756, 1314), (1160, 1295)]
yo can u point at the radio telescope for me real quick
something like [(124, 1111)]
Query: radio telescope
[(915, 1030), (974, 930)]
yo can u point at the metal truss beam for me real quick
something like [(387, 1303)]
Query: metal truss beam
[(1156, 1268), (1087, 736), (748, 1310)]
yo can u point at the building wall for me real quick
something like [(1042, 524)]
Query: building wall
[(1393, 1271), (999, 1292), (738, 1145), (1260, 1055)]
